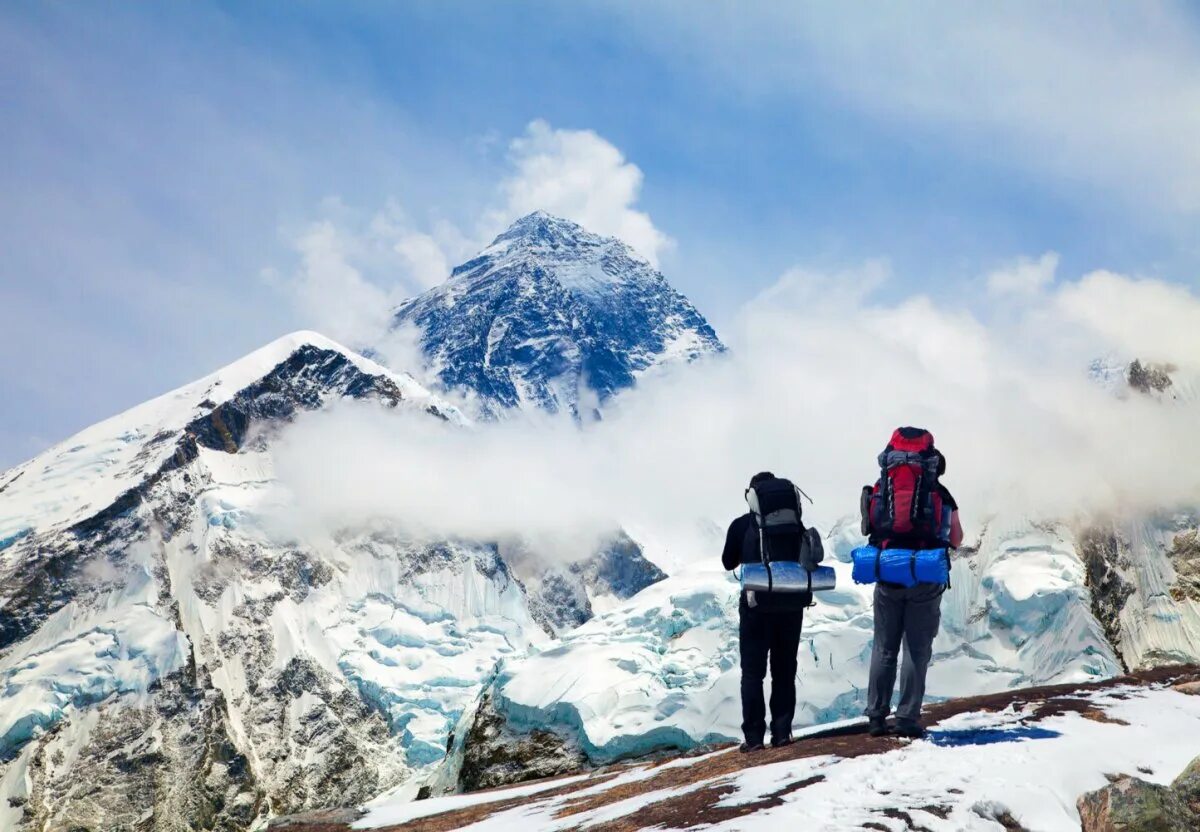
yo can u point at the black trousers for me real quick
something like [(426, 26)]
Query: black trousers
[(775, 635)]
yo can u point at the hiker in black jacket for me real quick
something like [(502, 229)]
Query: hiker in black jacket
[(768, 629)]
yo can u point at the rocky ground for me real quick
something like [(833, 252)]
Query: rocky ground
[(1001, 761)]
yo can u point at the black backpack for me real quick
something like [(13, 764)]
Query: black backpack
[(777, 519)]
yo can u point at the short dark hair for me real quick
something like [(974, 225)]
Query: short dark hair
[(941, 462), (761, 476)]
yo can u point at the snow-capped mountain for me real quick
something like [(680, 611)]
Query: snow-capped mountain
[(170, 658), (550, 316)]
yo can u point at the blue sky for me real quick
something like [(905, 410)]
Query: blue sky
[(165, 165)]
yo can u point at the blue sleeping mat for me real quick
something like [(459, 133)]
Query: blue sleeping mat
[(907, 567)]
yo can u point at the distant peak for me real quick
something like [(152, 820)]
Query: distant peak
[(543, 229)]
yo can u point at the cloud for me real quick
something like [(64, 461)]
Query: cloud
[(334, 294), (1140, 318), (1025, 276), (815, 382), (580, 176), (355, 268), (1105, 102), (425, 257)]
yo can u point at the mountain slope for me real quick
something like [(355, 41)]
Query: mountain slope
[(177, 651), (1016, 760), (169, 659), (552, 317)]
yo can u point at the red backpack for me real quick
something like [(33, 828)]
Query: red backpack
[(905, 506)]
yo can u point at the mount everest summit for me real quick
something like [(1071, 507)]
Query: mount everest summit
[(552, 317), (170, 658)]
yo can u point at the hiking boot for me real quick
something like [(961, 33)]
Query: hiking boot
[(780, 742), (877, 727), (910, 730), (749, 747)]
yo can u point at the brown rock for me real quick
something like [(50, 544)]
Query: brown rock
[(1187, 787), (1130, 804), (1192, 688)]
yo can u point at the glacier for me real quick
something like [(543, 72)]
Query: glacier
[(662, 671), (156, 617)]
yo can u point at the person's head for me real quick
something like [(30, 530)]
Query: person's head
[(761, 476)]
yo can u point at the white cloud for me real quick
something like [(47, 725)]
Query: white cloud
[(354, 268), (1024, 276), (332, 293), (1105, 101), (425, 257), (1139, 318), (815, 382), (580, 176)]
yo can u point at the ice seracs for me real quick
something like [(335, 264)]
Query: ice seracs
[(662, 670)]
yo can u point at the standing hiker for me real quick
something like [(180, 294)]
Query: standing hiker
[(909, 508), (770, 622)]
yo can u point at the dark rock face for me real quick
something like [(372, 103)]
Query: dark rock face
[(1130, 804), (560, 601), (549, 312), (495, 755), (619, 568), (51, 576), (1102, 552), (1185, 558), (1150, 378), (304, 381), (134, 766), (560, 595)]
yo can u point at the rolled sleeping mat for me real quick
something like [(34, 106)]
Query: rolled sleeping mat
[(786, 576), (906, 567)]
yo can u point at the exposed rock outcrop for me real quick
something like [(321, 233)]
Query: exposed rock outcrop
[(1130, 804), (495, 755), (1187, 786), (1150, 378), (1102, 552)]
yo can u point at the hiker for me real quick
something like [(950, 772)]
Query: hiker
[(769, 622), (908, 508)]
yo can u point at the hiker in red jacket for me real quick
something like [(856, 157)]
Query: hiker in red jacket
[(909, 508)]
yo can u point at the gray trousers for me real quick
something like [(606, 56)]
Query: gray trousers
[(910, 615)]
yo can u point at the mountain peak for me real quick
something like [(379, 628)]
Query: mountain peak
[(541, 224), (546, 236), (551, 314)]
